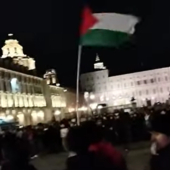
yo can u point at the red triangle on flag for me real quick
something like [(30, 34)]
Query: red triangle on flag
[(88, 20)]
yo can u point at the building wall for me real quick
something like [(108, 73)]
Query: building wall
[(25, 97), (29, 99), (118, 90), (71, 100)]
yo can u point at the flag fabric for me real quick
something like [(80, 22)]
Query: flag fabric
[(106, 29), (88, 20)]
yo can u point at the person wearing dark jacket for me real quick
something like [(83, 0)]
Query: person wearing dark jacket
[(90, 151), (160, 148), (18, 157)]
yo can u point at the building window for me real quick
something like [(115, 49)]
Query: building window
[(140, 93), (131, 83), (25, 79), (97, 77), (138, 82), (159, 79), (161, 90), (10, 88), (166, 78), (152, 80), (145, 81), (4, 86)]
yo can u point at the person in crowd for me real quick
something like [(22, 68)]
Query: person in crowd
[(64, 127), (125, 126), (90, 151), (160, 148), (18, 156)]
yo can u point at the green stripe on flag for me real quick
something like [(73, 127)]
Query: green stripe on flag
[(104, 38)]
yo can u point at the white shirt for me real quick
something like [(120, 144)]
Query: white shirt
[(63, 132)]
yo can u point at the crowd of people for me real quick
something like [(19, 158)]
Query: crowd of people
[(91, 149), (90, 145)]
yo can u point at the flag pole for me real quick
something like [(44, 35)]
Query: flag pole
[(77, 83)]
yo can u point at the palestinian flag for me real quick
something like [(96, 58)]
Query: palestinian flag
[(106, 29)]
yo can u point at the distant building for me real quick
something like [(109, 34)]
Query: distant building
[(12, 49), (25, 97), (98, 65), (51, 77), (153, 85)]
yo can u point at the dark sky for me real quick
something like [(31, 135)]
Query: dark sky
[(48, 31)]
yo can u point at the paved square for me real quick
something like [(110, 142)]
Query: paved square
[(137, 159)]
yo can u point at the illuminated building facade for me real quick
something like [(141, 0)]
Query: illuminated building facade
[(24, 97), (153, 85)]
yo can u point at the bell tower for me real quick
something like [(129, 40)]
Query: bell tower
[(51, 77), (14, 50), (98, 65)]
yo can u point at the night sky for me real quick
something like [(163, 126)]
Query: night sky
[(48, 31)]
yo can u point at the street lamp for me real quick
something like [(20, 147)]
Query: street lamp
[(100, 107), (57, 112), (92, 96)]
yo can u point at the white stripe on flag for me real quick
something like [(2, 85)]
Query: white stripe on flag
[(116, 22)]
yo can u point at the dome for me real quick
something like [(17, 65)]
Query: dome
[(12, 48)]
